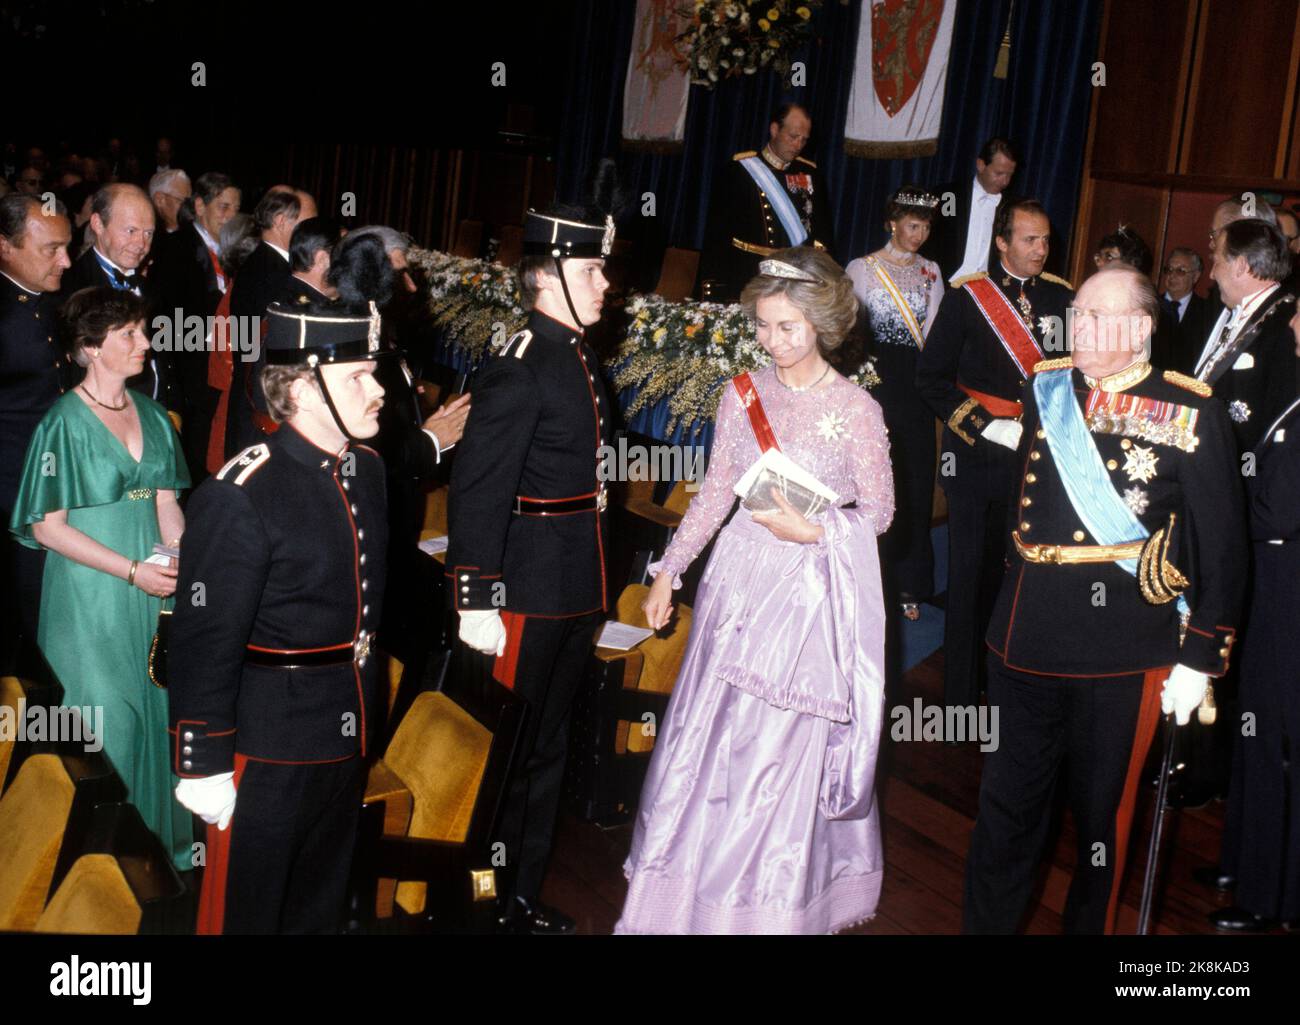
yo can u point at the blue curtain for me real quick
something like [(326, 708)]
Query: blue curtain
[(1042, 106)]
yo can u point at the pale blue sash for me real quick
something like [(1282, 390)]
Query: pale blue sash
[(1079, 465), (779, 198)]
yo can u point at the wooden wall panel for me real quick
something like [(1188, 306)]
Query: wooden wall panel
[(1241, 93), (1143, 51), (1140, 207)]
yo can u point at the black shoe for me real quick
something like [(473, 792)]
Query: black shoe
[(1239, 920), (1214, 878), (533, 918)]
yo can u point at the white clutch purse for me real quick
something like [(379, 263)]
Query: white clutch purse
[(774, 469)]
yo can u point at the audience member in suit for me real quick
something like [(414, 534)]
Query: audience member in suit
[(262, 281), (238, 240), (370, 265), (188, 276), (121, 231), (309, 261), (1184, 325), (1289, 225), (962, 240), (168, 191), (34, 372)]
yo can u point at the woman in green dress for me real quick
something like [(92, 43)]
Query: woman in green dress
[(99, 491)]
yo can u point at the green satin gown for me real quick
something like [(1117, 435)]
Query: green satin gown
[(95, 629)]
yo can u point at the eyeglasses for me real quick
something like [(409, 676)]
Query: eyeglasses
[(1177, 270)]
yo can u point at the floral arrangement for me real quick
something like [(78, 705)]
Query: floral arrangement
[(738, 37), (475, 303), (684, 352)]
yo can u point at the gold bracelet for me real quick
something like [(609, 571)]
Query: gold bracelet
[(130, 577)]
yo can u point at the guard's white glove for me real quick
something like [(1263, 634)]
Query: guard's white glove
[(1183, 691), (211, 798), (1004, 432), (483, 631)]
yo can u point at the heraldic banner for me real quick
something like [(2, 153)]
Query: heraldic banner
[(658, 82), (898, 78)]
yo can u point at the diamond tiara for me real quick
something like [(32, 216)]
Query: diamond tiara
[(780, 269), (917, 199)]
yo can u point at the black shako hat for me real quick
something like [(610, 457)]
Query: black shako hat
[(548, 235), (310, 338)]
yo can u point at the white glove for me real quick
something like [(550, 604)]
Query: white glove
[(1183, 691), (1004, 432), (483, 631), (211, 798)]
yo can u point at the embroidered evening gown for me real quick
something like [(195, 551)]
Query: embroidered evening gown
[(95, 629), (758, 814)]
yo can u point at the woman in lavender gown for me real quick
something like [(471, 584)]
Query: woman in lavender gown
[(900, 291), (758, 811)]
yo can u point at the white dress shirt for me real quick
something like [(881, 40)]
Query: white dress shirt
[(979, 233), (1229, 323)]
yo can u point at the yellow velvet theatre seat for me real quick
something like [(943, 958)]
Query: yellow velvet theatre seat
[(94, 898), (651, 667), (33, 815), (11, 690)]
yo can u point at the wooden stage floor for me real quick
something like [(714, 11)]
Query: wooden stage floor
[(929, 793)]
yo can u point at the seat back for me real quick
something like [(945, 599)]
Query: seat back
[(34, 813), (677, 275), (512, 245), (439, 752), (662, 659), (469, 240), (11, 691), (94, 898)]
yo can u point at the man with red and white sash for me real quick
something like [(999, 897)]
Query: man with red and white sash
[(990, 332)]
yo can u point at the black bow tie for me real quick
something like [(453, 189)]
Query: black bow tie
[(123, 280)]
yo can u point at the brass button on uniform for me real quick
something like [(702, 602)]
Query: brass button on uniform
[(1040, 433), (1079, 535), (1125, 444), (1223, 652), (1035, 456), (1031, 478), (1024, 525), (1026, 501), (1112, 464)]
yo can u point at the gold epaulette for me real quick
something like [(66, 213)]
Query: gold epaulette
[(805, 160), (1190, 383), (745, 155), (1061, 363), (1057, 281), (958, 282)]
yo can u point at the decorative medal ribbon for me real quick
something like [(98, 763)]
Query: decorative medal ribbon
[(779, 198), (1007, 324), (904, 310), (1165, 423)]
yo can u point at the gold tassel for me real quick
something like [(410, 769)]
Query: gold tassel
[(1004, 48), (1207, 713)]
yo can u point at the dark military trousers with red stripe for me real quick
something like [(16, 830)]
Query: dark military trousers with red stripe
[(282, 864), (544, 663), (1101, 728)]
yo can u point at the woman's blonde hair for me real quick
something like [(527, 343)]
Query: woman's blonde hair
[(827, 302)]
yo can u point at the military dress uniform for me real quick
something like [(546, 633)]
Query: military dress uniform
[(34, 372), (529, 536), (744, 225), (1080, 647), (969, 377), (271, 675)]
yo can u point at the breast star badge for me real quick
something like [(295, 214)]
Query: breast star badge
[(832, 426), (1140, 464), (1239, 411), (1137, 500)]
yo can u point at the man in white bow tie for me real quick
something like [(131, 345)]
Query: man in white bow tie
[(1249, 359)]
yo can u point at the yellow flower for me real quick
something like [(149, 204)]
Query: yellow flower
[(803, 12), (660, 334), (763, 24), (717, 337), (773, 14), (774, 43)]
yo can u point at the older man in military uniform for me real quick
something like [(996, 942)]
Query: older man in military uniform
[(764, 201), (528, 531), (1122, 600), (990, 332), (272, 685)]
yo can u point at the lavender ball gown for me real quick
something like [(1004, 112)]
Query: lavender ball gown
[(758, 812)]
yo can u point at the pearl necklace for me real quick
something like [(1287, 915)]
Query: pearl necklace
[(806, 387), (896, 255)]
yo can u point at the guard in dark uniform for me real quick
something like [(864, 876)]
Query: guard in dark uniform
[(989, 333), (34, 372), (528, 534), (1122, 599), (274, 691), (763, 201), (1263, 813)]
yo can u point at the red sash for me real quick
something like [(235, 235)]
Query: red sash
[(763, 432), (1007, 324)]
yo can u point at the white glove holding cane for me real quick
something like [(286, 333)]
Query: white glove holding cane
[(1183, 692), (483, 631), (211, 798)]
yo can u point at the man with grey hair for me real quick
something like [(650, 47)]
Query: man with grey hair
[(1128, 490), (1184, 323), (168, 190)]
